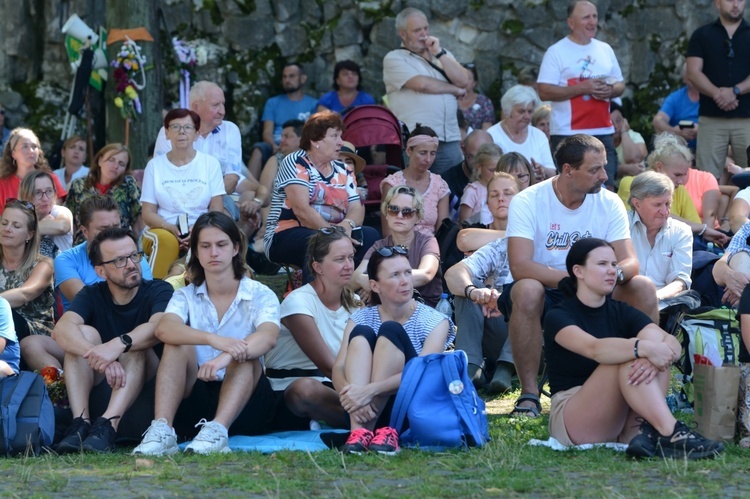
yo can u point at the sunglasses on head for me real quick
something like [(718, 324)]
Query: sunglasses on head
[(389, 251), (25, 204), (405, 212), (332, 229)]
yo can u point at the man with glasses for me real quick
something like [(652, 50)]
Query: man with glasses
[(718, 65), (108, 338), (73, 269)]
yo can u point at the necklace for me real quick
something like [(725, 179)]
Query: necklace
[(557, 192)]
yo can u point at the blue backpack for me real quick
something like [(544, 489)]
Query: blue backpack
[(439, 404), (27, 418)]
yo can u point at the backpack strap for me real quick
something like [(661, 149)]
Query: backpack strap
[(450, 373), (410, 379)]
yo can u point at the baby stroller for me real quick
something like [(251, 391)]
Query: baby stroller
[(379, 138)]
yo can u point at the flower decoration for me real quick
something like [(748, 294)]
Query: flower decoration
[(54, 378), (128, 65)]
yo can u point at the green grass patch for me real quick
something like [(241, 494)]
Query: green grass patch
[(506, 467)]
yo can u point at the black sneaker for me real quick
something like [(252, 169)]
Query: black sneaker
[(101, 436), (643, 444), (74, 436), (686, 443)]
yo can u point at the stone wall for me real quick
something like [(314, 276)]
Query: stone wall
[(245, 41)]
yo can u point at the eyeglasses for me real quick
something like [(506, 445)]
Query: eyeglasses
[(730, 48), (122, 261), (389, 251), (394, 210), (41, 194), (178, 128), (332, 229), (25, 204)]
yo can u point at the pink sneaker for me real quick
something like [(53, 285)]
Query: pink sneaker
[(385, 441)]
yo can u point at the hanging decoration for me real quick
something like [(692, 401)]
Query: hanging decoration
[(129, 77), (188, 60)]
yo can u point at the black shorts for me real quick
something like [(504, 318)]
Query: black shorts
[(255, 419)]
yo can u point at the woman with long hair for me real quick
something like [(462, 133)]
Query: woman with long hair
[(609, 366), (313, 319), (109, 175), (378, 342), (26, 282), (21, 155)]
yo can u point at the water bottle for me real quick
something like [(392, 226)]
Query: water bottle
[(444, 306), (710, 247)]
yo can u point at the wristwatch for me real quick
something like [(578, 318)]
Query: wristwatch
[(736, 90), (127, 341), (620, 276), (441, 53)]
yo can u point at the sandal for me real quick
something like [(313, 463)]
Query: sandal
[(529, 412)]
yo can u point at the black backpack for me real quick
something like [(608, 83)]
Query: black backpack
[(27, 418)]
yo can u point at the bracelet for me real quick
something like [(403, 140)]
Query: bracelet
[(635, 350), (703, 230), (467, 291), (258, 200), (350, 222)]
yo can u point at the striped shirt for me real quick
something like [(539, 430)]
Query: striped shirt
[(329, 196), (419, 326)]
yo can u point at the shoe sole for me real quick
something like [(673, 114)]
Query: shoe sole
[(639, 453), (67, 449), (225, 450), (386, 452), (168, 452)]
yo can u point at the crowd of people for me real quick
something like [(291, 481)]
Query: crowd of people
[(138, 287)]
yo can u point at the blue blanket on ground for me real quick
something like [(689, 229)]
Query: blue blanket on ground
[(306, 441)]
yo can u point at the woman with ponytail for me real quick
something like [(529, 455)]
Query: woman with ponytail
[(609, 366)]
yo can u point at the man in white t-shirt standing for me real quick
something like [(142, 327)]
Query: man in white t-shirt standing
[(580, 75), (543, 223)]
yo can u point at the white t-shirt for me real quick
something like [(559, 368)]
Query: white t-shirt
[(60, 173), (566, 63), (223, 143), (744, 195), (253, 305), (182, 189), (287, 354), (535, 146), (62, 241), (536, 214)]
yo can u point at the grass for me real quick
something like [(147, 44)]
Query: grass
[(506, 467)]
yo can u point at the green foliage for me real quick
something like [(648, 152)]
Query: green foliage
[(48, 105), (512, 27), (375, 15), (246, 6)]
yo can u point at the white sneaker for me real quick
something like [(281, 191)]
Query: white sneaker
[(213, 437), (158, 440)]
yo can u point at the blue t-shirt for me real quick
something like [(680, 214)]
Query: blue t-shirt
[(678, 107), (332, 102), (281, 108), (11, 354), (75, 264)]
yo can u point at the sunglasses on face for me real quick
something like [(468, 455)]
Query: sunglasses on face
[(394, 210), (332, 229), (389, 251)]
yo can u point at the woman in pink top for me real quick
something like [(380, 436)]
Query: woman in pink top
[(421, 148)]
